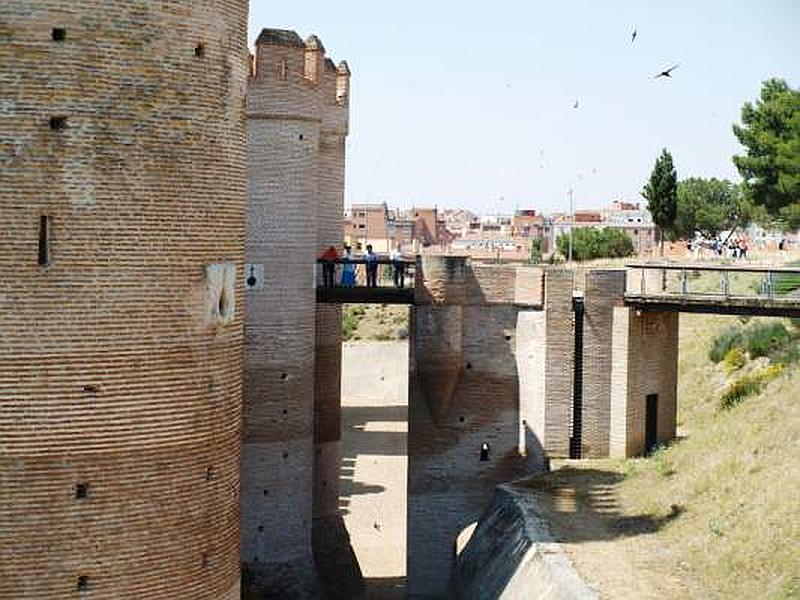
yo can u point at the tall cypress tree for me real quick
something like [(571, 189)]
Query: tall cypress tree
[(661, 193)]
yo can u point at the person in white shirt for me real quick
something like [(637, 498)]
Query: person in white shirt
[(372, 267), (398, 267)]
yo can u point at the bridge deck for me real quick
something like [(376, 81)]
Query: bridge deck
[(365, 295), (715, 304), (746, 289)]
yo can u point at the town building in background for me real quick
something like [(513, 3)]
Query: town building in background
[(521, 235), (413, 230)]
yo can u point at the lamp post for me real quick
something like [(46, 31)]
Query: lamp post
[(571, 225)]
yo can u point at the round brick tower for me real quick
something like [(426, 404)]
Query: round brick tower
[(333, 556), (122, 194), (283, 129)]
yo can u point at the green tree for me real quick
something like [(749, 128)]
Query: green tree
[(661, 193), (709, 206), (589, 243), (536, 251), (770, 134)]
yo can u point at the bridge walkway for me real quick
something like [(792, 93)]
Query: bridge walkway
[(715, 289), (394, 282)]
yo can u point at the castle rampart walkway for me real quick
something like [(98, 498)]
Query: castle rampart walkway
[(716, 289)]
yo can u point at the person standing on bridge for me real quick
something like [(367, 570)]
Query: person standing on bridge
[(348, 268), (372, 267), (398, 267), (329, 258)]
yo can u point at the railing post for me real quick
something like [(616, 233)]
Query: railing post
[(725, 284), (684, 283), (641, 283), (769, 284)]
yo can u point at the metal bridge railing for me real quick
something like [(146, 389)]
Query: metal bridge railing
[(721, 281), (343, 273)]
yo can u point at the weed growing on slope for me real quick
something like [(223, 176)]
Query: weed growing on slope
[(725, 342), (766, 338), (735, 359), (749, 385)]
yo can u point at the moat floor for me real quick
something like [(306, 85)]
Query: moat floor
[(374, 461)]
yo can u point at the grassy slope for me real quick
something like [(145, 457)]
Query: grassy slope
[(375, 322), (714, 515), (735, 473)]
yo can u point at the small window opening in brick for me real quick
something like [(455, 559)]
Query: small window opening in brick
[(58, 123), (44, 240), (90, 389), (59, 34), (81, 491), (461, 419), (266, 492), (204, 559), (200, 50), (301, 137), (83, 583), (209, 473), (484, 452), (260, 529), (286, 412), (284, 376), (285, 455), (469, 366), (508, 337)]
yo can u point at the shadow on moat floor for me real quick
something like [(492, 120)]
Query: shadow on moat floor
[(581, 505), (377, 431), (385, 588)]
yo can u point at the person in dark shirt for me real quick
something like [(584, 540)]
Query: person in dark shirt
[(372, 267)]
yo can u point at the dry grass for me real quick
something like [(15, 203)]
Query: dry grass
[(735, 473), (375, 322), (715, 514)]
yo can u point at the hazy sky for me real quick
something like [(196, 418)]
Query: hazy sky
[(470, 104)]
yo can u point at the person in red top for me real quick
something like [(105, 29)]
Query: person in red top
[(330, 256)]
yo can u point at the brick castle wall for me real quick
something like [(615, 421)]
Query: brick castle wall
[(122, 170), (604, 289), (296, 114), (644, 361), (559, 348), (464, 391)]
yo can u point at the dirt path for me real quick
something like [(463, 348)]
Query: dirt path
[(614, 552), (373, 476)]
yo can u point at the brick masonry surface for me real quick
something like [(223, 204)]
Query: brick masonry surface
[(645, 361), (603, 291), (122, 171), (464, 391), (297, 105)]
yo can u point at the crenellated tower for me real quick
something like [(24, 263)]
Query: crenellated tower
[(297, 105)]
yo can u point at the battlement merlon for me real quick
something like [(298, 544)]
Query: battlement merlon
[(335, 101), (315, 59), (282, 55), (343, 83)]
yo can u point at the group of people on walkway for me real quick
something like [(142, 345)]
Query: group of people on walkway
[(350, 261), (735, 248)]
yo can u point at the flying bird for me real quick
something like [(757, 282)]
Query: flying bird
[(633, 35), (666, 72)]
